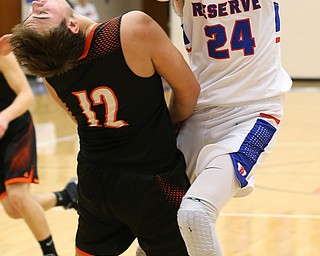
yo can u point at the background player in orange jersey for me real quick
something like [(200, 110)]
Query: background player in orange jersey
[(18, 159)]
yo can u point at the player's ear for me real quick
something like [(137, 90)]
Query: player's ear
[(5, 46), (73, 25)]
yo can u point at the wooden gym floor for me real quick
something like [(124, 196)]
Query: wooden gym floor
[(280, 218)]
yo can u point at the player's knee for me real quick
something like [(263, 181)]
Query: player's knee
[(197, 225), (191, 221), (11, 211), (16, 201), (194, 213), (199, 205), (13, 214)]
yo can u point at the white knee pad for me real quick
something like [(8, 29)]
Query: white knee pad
[(197, 227)]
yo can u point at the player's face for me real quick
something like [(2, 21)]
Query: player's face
[(47, 13)]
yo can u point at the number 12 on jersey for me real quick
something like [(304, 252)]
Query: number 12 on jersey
[(100, 96)]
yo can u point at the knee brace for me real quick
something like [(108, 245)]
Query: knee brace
[(197, 226)]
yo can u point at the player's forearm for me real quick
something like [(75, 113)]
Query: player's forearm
[(181, 110), (23, 102)]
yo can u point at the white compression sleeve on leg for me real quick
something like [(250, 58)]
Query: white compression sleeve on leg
[(201, 206), (197, 228)]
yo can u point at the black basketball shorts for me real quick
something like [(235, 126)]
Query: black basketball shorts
[(18, 156), (115, 207)]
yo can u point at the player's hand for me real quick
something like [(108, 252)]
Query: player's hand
[(177, 128), (5, 46)]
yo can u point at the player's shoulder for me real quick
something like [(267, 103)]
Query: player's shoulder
[(138, 16), (136, 21), (137, 25)]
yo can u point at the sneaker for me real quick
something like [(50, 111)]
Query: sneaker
[(71, 191)]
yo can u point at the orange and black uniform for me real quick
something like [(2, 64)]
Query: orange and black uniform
[(18, 157), (131, 174)]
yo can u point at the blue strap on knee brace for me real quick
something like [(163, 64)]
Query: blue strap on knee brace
[(251, 148)]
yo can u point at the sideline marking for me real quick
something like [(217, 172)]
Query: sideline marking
[(58, 140), (267, 215)]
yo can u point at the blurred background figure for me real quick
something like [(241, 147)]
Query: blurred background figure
[(88, 9), (18, 158)]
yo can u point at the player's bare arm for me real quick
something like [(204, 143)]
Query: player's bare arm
[(152, 50), (18, 82)]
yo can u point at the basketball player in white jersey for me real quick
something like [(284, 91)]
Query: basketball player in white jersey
[(234, 51)]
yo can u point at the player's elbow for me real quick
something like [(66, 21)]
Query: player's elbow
[(194, 92)]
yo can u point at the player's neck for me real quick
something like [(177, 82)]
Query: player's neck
[(85, 25)]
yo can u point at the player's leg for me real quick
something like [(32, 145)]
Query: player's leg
[(222, 175), (19, 166), (19, 202), (100, 230), (67, 197), (156, 224), (201, 206)]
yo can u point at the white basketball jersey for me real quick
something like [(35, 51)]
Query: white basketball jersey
[(234, 50)]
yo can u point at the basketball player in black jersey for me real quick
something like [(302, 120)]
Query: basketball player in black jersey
[(107, 76), (18, 159)]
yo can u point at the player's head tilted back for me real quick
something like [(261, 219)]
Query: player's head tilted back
[(50, 40)]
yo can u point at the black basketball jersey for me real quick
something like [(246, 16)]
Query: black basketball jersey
[(122, 118), (7, 95)]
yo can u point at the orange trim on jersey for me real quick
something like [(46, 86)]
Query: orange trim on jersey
[(270, 117), (25, 179), (83, 253), (278, 40), (88, 42), (2, 195)]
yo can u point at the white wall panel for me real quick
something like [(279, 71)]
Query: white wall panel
[(301, 37)]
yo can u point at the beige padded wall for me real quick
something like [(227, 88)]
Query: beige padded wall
[(301, 37)]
